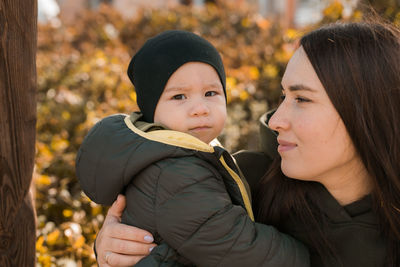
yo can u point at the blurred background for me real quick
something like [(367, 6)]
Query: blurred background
[(84, 47)]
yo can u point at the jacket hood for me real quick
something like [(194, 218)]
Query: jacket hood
[(120, 146), (268, 137)]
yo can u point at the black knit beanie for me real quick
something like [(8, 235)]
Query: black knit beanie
[(152, 66)]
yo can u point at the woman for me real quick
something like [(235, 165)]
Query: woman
[(338, 126), (336, 184)]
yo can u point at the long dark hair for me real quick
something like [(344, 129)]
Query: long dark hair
[(359, 67)]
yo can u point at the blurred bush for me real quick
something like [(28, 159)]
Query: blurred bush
[(82, 78)]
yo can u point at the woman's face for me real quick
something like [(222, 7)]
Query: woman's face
[(313, 141)]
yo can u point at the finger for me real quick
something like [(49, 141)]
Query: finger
[(120, 260), (130, 247), (103, 261), (117, 208), (127, 232)]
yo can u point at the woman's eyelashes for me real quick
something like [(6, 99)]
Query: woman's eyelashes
[(298, 99)]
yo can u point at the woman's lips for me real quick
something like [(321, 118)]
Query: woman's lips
[(285, 146)]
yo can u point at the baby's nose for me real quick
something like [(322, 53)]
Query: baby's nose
[(200, 108)]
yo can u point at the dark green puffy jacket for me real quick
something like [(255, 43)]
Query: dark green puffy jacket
[(186, 193)]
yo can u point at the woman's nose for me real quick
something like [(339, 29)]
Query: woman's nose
[(278, 120)]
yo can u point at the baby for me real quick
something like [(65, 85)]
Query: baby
[(186, 192)]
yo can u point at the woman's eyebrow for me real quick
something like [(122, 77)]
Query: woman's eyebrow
[(300, 87)]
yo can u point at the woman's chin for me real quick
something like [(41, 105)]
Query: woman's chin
[(294, 173)]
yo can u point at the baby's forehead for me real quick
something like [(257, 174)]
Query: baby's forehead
[(183, 87), (194, 75)]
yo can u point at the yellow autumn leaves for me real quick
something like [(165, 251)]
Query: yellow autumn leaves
[(82, 78)]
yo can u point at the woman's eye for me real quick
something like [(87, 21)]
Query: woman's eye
[(211, 93), (298, 99), (302, 99), (179, 97)]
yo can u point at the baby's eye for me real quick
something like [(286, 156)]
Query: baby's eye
[(282, 97), (179, 97), (211, 93)]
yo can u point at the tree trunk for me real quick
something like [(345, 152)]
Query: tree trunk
[(18, 33)]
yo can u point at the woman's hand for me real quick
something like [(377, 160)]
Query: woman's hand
[(118, 244)]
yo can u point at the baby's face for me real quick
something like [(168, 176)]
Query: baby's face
[(193, 102)]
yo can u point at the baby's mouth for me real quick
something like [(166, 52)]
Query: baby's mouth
[(200, 128)]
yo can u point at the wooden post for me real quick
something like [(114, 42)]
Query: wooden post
[(18, 35)]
